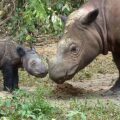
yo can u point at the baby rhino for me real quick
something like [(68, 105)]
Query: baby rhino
[(12, 57)]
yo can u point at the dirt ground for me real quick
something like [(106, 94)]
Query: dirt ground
[(91, 83)]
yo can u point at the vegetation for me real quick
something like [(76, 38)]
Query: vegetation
[(32, 18), (93, 111), (26, 106)]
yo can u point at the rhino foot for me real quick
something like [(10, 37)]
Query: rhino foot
[(7, 89), (10, 89), (112, 91), (108, 93), (115, 88), (16, 88)]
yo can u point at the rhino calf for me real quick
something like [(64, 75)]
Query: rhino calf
[(12, 57), (89, 31)]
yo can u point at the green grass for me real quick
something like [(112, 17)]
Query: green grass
[(34, 106), (93, 110), (27, 106)]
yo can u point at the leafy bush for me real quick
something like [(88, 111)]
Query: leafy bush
[(36, 17)]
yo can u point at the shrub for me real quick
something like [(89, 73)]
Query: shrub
[(36, 17)]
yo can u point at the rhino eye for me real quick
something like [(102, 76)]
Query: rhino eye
[(33, 63), (74, 49)]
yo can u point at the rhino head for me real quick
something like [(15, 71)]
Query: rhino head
[(80, 44), (32, 62)]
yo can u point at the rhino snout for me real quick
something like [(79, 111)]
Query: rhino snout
[(56, 71), (43, 71), (37, 69)]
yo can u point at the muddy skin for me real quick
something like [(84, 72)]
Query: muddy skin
[(12, 57), (89, 31)]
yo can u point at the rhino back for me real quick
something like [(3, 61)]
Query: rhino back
[(2, 49), (113, 19), (8, 52)]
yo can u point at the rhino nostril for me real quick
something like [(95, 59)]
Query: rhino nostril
[(43, 71)]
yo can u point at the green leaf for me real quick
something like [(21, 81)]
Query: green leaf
[(28, 38)]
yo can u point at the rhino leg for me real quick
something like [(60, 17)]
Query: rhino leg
[(7, 71), (15, 79), (116, 86)]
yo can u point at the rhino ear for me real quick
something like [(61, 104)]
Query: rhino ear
[(63, 18), (20, 51), (90, 17)]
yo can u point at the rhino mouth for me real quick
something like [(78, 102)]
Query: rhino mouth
[(41, 75), (62, 80), (60, 77)]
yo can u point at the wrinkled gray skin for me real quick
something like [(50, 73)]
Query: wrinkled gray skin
[(89, 31), (32, 62), (12, 57)]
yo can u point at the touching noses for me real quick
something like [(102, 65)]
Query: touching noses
[(43, 69)]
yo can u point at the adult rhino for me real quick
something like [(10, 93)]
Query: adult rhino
[(89, 31), (14, 56)]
